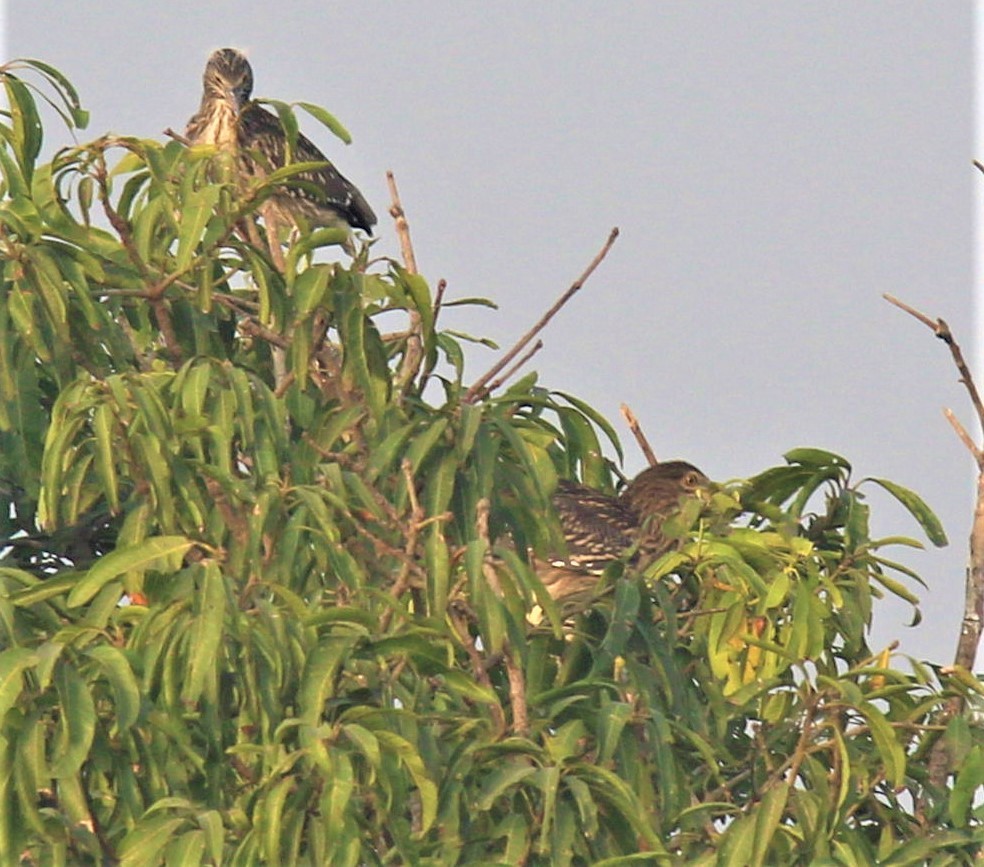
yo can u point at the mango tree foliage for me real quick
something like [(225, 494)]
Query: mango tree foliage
[(265, 595)]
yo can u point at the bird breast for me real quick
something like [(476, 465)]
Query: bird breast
[(216, 126)]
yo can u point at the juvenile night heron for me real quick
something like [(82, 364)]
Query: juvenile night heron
[(228, 119), (599, 528)]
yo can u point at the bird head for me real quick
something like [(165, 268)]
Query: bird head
[(229, 76), (657, 490)]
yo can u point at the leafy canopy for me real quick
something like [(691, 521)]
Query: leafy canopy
[(329, 655)]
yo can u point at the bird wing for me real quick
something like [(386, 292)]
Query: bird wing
[(597, 527), (261, 130)]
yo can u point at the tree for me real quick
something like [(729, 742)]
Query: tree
[(265, 594)]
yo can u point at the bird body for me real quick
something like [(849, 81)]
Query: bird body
[(230, 120), (600, 528)]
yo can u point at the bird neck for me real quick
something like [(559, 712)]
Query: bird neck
[(219, 121)]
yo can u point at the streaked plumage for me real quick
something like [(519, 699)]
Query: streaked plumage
[(599, 528), (228, 119)]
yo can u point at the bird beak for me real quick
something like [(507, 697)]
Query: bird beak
[(237, 97)]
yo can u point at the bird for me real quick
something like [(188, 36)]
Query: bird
[(230, 120), (600, 528)]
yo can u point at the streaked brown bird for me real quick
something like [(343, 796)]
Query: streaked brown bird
[(229, 119), (600, 528)]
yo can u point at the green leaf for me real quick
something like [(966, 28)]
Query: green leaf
[(159, 552), (916, 507), (195, 214), (886, 742), (329, 120), (76, 724), (767, 818), (13, 663), (126, 694), (207, 632), (970, 779), (143, 845)]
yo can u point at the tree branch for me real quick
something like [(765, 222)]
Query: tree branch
[(940, 762), (492, 386), (414, 354), (942, 331), (478, 388), (636, 428)]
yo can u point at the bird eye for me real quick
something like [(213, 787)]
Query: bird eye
[(691, 480)]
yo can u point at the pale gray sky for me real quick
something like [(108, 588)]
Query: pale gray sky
[(773, 168)]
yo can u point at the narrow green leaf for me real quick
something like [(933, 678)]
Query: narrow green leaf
[(326, 118), (159, 552), (13, 663), (76, 723), (916, 507), (142, 847), (207, 632), (414, 763), (886, 742), (117, 671), (767, 818), (970, 779), (102, 425)]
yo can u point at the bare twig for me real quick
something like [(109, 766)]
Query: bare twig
[(961, 432), (442, 286), (170, 133), (492, 386), (478, 388), (633, 422), (942, 331), (402, 226), (940, 762), (414, 354)]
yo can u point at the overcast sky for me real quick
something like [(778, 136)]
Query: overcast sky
[(773, 169)]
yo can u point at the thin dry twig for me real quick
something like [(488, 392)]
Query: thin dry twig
[(961, 432), (940, 762), (633, 422), (942, 331), (507, 375), (442, 286), (170, 133), (402, 226), (479, 387), (414, 355)]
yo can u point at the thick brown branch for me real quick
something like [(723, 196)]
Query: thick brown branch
[(478, 388), (633, 422)]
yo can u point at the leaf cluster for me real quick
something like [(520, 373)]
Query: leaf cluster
[(267, 593)]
